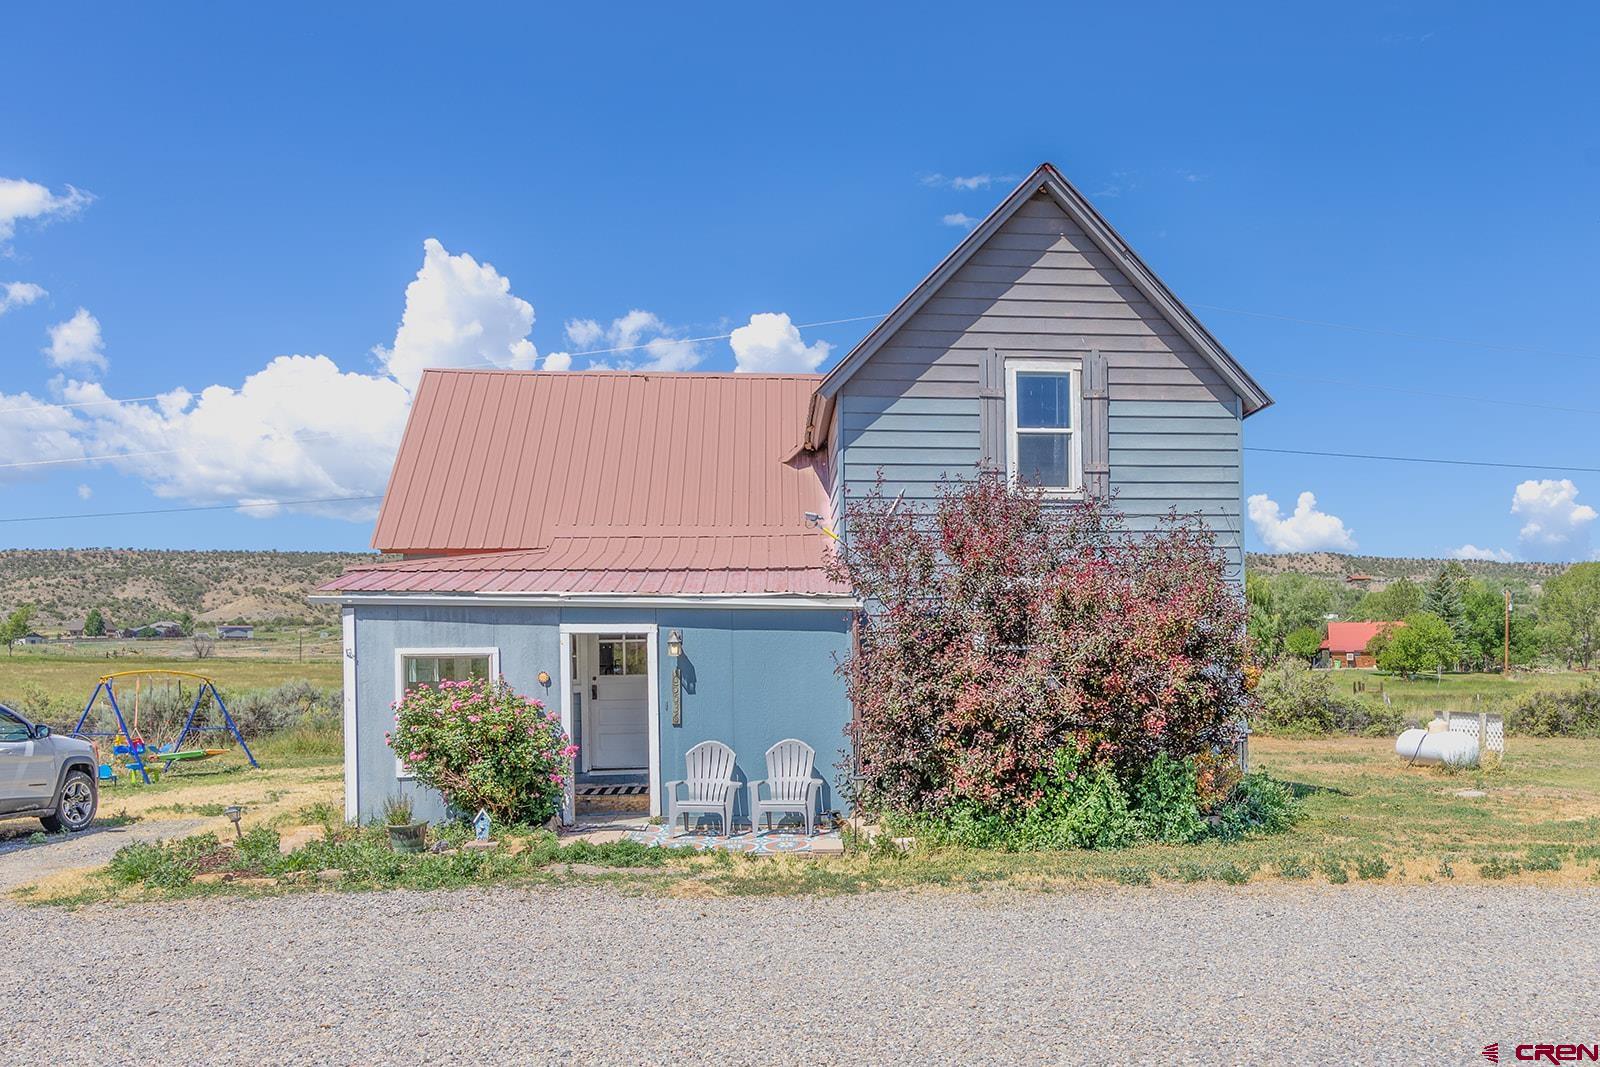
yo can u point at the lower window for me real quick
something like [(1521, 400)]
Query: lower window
[(432, 666)]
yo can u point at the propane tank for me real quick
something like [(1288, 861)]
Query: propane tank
[(1436, 745)]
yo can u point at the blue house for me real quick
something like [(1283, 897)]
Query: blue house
[(647, 552)]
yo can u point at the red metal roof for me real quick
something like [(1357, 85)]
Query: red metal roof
[(648, 565), (606, 482), (1353, 636)]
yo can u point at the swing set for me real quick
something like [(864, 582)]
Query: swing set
[(140, 756)]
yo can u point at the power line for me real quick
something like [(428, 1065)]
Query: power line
[(205, 507), (1423, 459)]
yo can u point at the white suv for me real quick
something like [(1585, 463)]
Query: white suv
[(44, 776)]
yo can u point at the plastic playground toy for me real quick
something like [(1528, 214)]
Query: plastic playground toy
[(140, 756)]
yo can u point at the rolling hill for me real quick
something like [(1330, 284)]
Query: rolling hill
[(132, 586)]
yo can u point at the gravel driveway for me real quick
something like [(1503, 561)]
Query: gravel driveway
[(1354, 975)]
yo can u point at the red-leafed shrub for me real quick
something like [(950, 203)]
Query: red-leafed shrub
[(1002, 629)]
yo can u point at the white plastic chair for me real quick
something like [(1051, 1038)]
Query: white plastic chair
[(709, 783), (789, 783)]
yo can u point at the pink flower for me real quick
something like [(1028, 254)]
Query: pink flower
[(570, 751), (474, 718), (557, 779)]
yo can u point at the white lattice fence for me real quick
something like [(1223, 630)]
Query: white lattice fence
[(1488, 730)]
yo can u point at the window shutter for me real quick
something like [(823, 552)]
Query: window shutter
[(992, 412), (1096, 427)]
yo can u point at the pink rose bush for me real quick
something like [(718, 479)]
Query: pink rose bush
[(483, 745)]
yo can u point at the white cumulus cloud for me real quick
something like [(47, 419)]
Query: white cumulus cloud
[(1470, 551), (1553, 520), (967, 183), (585, 333), (771, 344), (960, 220), (36, 437), (639, 340), (459, 313), (1306, 530), (19, 295), (84, 492), (77, 342), (24, 200), (298, 429)]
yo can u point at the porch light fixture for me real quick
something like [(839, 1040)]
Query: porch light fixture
[(675, 643)]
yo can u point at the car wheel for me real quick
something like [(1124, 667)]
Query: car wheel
[(75, 806)]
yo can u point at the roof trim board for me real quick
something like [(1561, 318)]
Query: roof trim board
[(1045, 178), (490, 598)]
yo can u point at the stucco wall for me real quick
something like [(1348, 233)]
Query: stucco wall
[(751, 677)]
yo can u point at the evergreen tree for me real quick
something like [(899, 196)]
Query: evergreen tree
[(1445, 596)]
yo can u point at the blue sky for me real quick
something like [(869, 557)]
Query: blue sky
[(223, 187)]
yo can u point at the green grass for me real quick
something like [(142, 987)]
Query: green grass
[(1367, 818), (71, 678), (1428, 694)]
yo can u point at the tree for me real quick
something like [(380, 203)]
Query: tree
[(1305, 642), (1572, 601), (1424, 643), (1396, 601), (16, 625), (94, 624), (1445, 595), (1483, 630), (1281, 605)]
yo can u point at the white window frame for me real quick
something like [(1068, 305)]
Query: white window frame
[(403, 654), (1074, 433)]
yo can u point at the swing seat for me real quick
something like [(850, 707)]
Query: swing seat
[(191, 754)]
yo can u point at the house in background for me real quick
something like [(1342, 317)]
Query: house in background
[(236, 632), (29, 638), (1346, 643), (567, 530)]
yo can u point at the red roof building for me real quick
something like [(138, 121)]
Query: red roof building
[(1346, 643)]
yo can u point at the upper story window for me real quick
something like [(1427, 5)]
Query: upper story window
[(1043, 415)]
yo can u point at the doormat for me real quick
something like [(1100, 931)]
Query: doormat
[(613, 790)]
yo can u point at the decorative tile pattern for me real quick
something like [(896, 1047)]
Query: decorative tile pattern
[(773, 843)]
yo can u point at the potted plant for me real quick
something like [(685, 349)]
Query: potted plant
[(404, 835)]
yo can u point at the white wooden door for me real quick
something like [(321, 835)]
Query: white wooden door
[(620, 737), (619, 704)]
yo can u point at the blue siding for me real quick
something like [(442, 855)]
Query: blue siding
[(752, 677), (1182, 454), (1039, 288)]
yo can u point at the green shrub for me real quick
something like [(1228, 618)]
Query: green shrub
[(1558, 713), (1081, 804), (1259, 806), (163, 865), (1296, 699), (1166, 800)]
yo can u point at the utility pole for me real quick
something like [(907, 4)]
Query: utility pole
[(301, 635), (1505, 665)]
